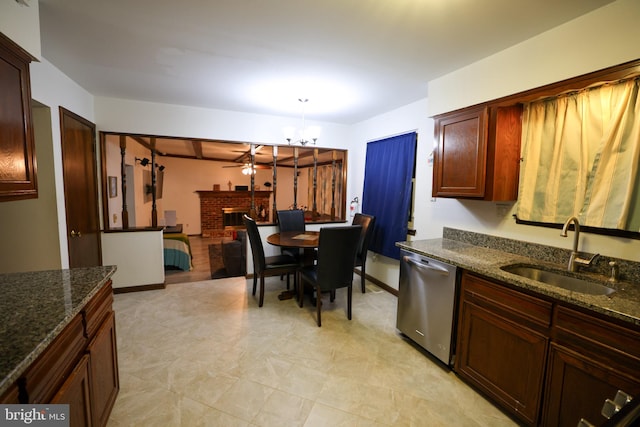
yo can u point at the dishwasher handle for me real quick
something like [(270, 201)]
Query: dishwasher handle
[(419, 264)]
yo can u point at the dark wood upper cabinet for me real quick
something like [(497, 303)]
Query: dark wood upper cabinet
[(478, 152), (460, 156), (17, 153)]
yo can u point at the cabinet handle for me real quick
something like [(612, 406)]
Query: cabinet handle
[(611, 407), (439, 269)]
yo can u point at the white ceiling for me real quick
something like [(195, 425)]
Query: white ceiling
[(353, 59)]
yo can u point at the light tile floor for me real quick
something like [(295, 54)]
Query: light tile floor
[(205, 354)]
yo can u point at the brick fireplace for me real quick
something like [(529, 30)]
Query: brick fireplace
[(213, 204)]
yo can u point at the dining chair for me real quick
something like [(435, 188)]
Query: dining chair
[(367, 222), (291, 220), (266, 266), (337, 249)]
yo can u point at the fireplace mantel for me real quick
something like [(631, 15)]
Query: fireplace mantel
[(232, 194)]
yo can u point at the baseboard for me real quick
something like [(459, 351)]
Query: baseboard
[(378, 283), (140, 288)]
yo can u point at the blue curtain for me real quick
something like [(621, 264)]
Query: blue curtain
[(387, 190)]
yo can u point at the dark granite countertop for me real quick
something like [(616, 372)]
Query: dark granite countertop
[(35, 307), (623, 304)]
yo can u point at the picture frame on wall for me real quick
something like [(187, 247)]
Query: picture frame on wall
[(113, 187)]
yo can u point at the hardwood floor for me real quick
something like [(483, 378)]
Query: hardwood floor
[(199, 261)]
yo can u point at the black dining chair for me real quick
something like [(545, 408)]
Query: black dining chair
[(266, 266), (337, 249), (291, 220), (367, 222)]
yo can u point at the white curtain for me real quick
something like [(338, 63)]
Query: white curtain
[(580, 157)]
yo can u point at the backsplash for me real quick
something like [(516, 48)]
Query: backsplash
[(629, 270)]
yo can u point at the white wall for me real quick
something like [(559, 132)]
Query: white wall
[(605, 37), (22, 25), (126, 116), (139, 256)]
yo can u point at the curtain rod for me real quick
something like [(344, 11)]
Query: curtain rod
[(393, 135), (630, 76)]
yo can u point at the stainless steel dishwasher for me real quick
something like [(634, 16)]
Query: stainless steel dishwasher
[(426, 299)]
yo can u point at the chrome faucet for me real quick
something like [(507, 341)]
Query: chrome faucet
[(575, 258)]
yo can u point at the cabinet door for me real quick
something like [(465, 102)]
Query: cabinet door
[(578, 386), (104, 371), (17, 156), (461, 155), (503, 153), (502, 345), (75, 393), (503, 359)]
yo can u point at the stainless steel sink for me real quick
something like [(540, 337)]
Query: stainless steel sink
[(560, 280)]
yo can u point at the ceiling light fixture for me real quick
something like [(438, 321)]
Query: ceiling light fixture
[(307, 134), (248, 169)]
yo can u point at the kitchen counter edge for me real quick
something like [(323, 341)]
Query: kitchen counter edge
[(624, 304), (81, 283)]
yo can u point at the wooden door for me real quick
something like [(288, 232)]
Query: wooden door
[(80, 189)]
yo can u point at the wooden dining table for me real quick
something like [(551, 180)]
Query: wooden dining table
[(305, 240)]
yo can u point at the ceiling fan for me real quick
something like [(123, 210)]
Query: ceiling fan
[(248, 165)]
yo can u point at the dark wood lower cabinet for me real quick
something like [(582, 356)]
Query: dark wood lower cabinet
[(505, 360), (590, 359), (75, 393), (578, 386), (545, 362), (497, 352), (11, 396), (79, 368), (104, 371)]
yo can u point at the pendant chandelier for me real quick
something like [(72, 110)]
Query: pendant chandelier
[(305, 135)]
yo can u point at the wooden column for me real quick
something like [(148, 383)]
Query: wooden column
[(252, 212), (295, 177), (154, 211), (123, 182), (333, 186), (275, 175), (314, 210)]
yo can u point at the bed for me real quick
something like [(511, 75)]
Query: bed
[(177, 251)]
